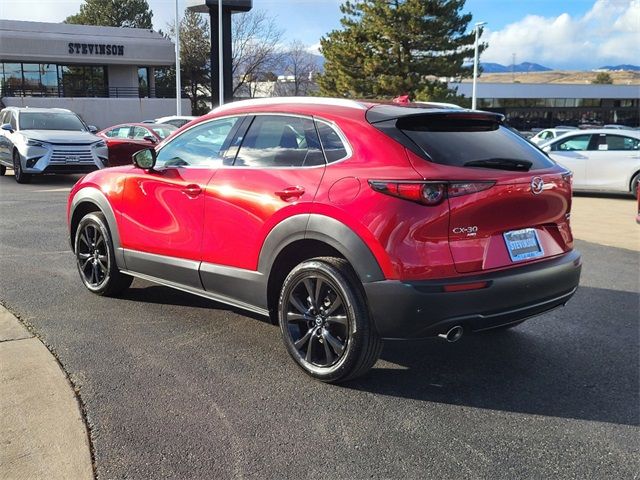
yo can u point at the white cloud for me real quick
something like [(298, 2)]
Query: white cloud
[(38, 10), (609, 33)]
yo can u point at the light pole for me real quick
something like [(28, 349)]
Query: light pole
[(178, 86), (475, 65), (220, 57)]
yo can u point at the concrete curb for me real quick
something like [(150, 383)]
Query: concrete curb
[(42, 432)]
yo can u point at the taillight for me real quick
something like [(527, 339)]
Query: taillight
[(427, 192)]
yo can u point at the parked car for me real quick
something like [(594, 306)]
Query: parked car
[(345, 222), (175, 120), (550, 134), (601, 160), (126, 139), (36, 141)]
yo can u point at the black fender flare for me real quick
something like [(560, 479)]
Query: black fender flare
[(324, 229), (95, 196)]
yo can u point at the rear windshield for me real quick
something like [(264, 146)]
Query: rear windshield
[(466, 142)]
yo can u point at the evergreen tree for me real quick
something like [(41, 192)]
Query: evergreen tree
[(391, 47), (602, 78), (114, 13)]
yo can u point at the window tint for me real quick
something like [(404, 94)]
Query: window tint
[(119, 132), (334, 148), (280, 141), (139, 133), (575, 143), (470, 141), (199, 146), (618, 142)]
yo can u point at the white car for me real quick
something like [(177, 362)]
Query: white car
[(549, 134), (602, 160), (48, 140)]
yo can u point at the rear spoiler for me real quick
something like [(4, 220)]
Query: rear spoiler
[(384, 113)]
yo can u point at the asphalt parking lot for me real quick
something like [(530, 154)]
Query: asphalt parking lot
[(176, 386)]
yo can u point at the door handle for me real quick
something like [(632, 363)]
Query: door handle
[(192, 190), (290, 192)]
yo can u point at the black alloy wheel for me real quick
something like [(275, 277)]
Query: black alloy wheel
[(325, 322), (95, 257), (19, 175), (317, 320)]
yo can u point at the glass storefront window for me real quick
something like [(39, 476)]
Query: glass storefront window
[(143, 81), (49, 77), (12, 77)]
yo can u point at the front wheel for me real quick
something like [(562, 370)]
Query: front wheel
[(18, 174), (95, 257), (325, 321)]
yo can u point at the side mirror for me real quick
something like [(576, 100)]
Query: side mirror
[(7, 127), (150, 138), (145, 159), (93, 128)]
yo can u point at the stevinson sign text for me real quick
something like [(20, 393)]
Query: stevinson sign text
[(95, 49)]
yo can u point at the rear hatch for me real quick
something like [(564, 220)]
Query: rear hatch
[(508, 202)]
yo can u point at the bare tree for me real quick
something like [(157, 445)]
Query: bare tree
[(256, 48), (300, 66)]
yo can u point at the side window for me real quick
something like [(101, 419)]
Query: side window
[(280, 141), (618, 142), (13, 121), (139, 133), (119, 132), (199, 146), (3, 117), (334, 147), (578, 142)]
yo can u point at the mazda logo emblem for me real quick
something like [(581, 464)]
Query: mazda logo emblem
[(537, 185)]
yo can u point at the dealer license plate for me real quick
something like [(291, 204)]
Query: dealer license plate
[(523, 244)]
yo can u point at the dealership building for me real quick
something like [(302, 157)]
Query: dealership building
[(105, 74), (543, 105)]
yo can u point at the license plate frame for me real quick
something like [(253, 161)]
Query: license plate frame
[(525, 246)]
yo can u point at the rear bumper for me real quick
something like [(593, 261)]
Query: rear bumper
[(419, 309)]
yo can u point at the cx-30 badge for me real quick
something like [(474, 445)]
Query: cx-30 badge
[(537, 185)]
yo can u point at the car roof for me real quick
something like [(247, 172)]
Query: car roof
[(39, 110), (340, 107)]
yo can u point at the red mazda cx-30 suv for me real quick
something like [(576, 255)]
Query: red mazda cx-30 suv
[(346, 222)]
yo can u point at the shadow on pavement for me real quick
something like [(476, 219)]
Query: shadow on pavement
[(586, 368)]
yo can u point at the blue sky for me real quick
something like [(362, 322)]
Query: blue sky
[(569, 34)]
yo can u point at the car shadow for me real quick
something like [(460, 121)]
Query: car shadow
[(578, 362)]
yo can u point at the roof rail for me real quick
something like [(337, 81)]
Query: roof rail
[(256, 102)]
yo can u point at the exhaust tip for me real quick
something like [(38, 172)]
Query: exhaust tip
[(453, 334)]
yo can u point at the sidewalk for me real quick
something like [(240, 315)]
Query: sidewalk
[(42, 433)]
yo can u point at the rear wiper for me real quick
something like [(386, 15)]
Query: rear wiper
[(501, 164)]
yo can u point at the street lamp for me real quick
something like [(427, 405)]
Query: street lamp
[(475, 65)]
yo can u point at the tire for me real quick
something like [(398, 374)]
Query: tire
[(325, 322), (3, 170), (95, 257), (18, 174)]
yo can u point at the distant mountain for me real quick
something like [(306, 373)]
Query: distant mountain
[(633, 68), (519, 68)]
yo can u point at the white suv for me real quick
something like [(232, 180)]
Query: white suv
[(48, 140)]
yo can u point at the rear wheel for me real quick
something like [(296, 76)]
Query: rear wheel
[(95, 257), (325, 321), (19, 175)]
